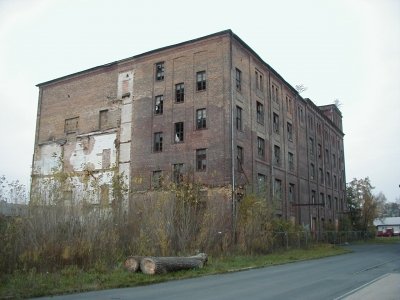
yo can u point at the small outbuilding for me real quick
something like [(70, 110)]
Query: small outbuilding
[(387, 226)]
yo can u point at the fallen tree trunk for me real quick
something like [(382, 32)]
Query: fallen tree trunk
[(161, 265), (132, 263)]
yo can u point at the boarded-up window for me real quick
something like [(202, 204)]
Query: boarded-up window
[(71, 125), (104, 195), (103, 119), (106, 156)]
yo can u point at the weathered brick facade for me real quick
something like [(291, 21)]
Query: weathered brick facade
[(189, 107)]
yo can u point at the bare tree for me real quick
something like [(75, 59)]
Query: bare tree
[(300, 88)]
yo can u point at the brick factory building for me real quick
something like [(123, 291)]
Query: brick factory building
[(209, 107)]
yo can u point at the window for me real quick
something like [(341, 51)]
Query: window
[(334, 160), (159, 103), (312, 171), (179, 132), (326, 156), (71, 125), (240, 158), (239, 118), (329, 201), (289, 132), (336, 203), (160, 71), (260, 113), (328, 178), (179, 92), (158, 141), (201, 159), (261, 147), (321, 176), (103, 119), (156, 179), (277, 155), (177, 173), (289, 105), (261, 183), (201, 80), (291, 161), (319, 151), (275, 93), (301, 114), (313, 197), (278, 189), (311, 145), (259, 81), (335, 181), (238, 80), (276, 123), (311, 122), (292, 197), (322, 199), (201, 119)]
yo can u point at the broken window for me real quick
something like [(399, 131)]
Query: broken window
[(312, 171), (71, 125), (180, 92), (276, 123), (240, 158), (201, 119), (103, 119), (277, 155), (157, 179), (260, 112), (313, 194), (239, 118), (160, 71), (275, 93), (238, 80), (201, 159), (179, 133), (278, 189), (261, 183), (292, 195), (260, 147), (289, 132), (291, 161), (159, 103), (158, 141), (201, 80), (178, 173)]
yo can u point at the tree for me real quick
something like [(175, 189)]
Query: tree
[(364, 206)]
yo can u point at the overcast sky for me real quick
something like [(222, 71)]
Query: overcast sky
[(339, 49)]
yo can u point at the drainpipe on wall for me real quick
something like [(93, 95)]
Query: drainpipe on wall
[(233, 199)]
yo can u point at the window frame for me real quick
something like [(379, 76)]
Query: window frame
[(201, 118), (238, 80), (160, 71), (201, 81), (159, 108), (179, 132), (201, 160), (158, 142), (261, 148), (180, 92), (260, 112), (239, 118)]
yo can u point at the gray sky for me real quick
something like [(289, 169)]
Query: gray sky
[(339, 49)]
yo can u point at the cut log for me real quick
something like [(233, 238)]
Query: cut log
[(161, 265), (132, 263)]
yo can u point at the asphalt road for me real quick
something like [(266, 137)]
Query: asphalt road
[(338, 277)]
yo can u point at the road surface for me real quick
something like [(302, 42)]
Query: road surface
[(370, 272)]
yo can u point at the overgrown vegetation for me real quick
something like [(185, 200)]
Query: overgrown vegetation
[(71, 279), (66, 244)]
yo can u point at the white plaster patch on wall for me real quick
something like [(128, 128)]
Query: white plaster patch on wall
[(89, 155), (125, 135), (125, 152), (126, 113), (49, 159)]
